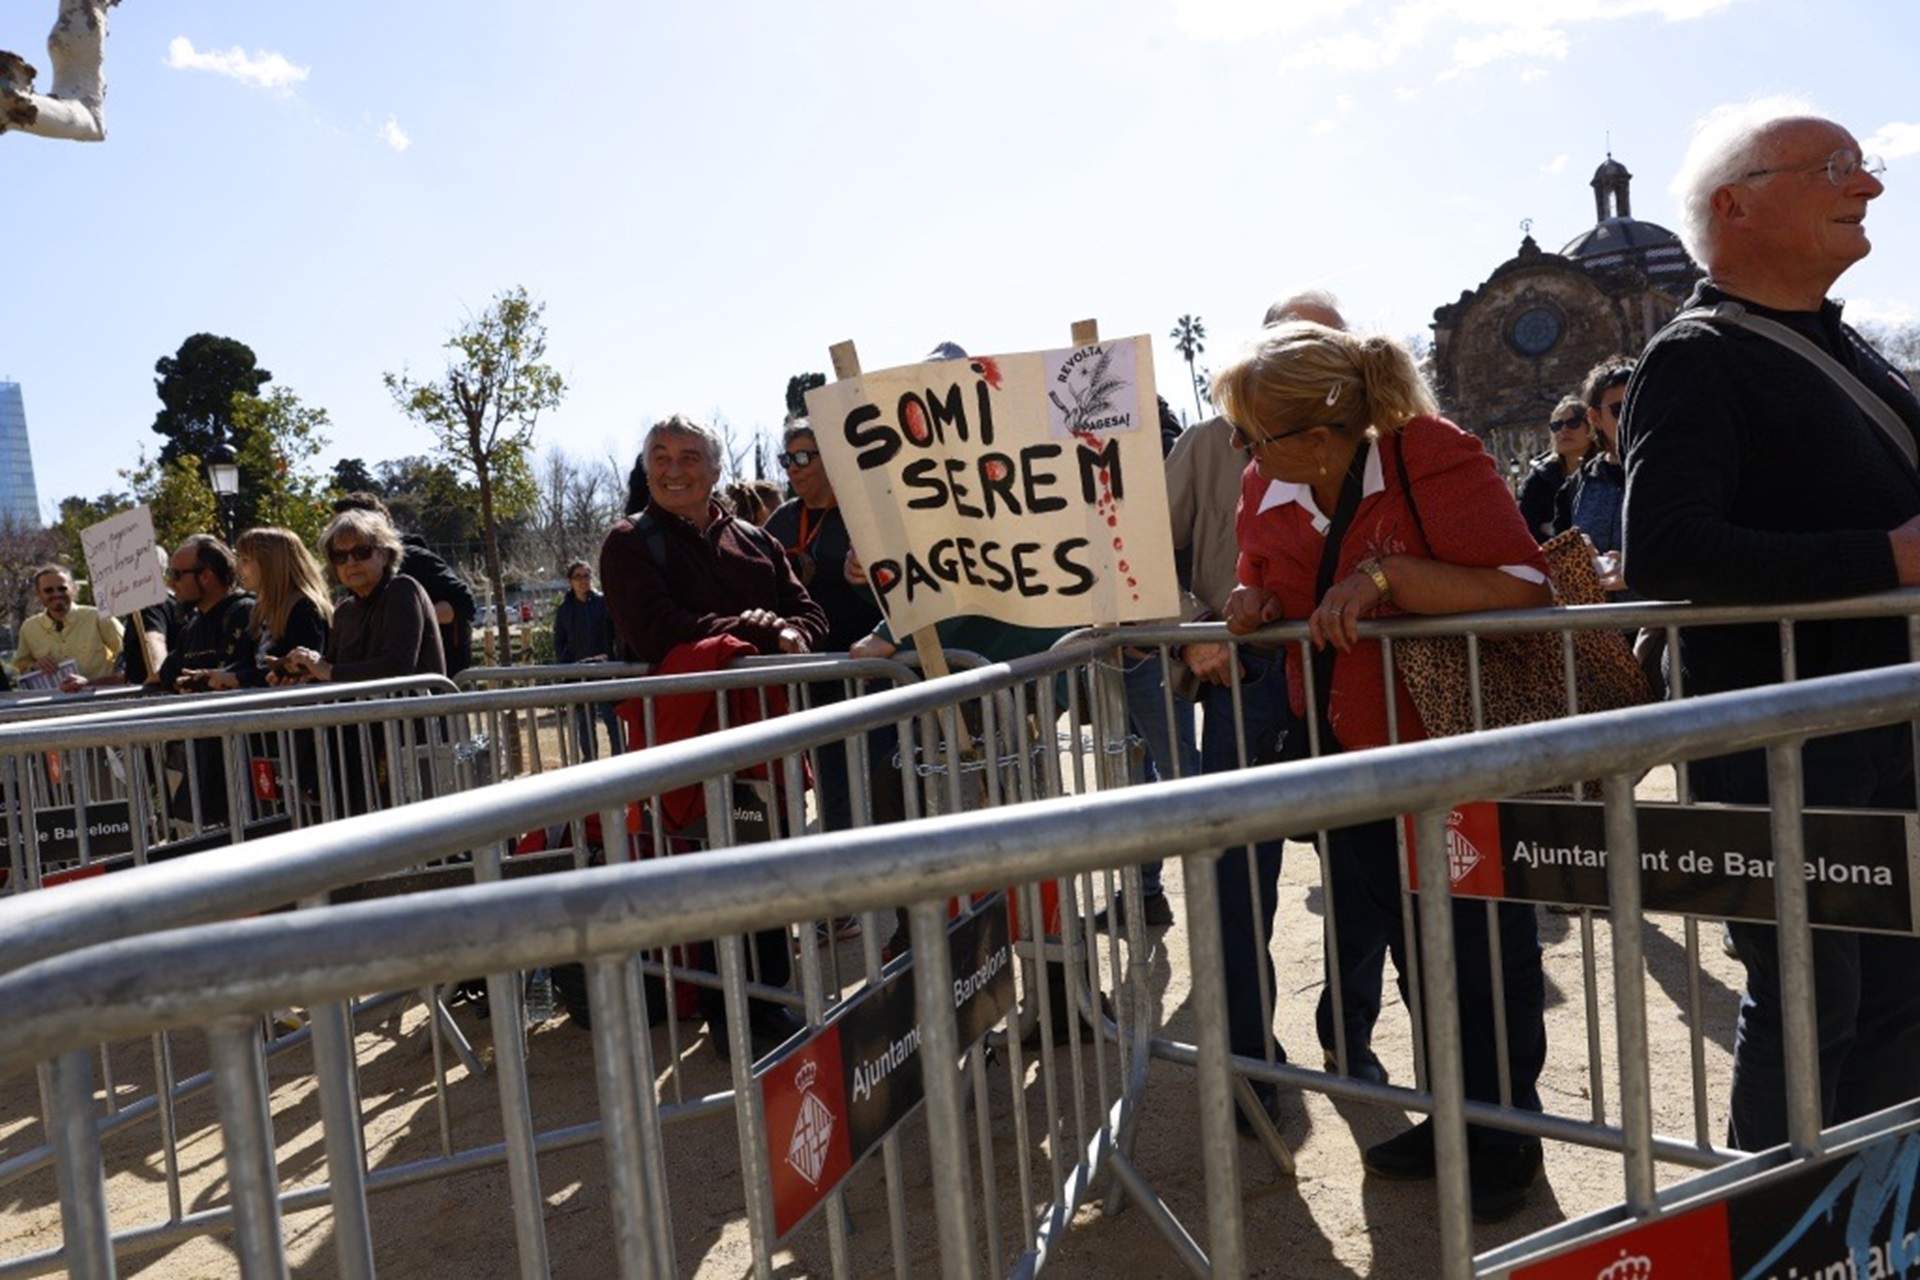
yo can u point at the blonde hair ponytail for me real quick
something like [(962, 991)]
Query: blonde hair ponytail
[(1302, 374), (1395, 391)]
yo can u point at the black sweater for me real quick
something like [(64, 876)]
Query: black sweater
[(1753, 479)]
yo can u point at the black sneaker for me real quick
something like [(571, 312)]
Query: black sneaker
[(1269, 1096), (1364, 1065), (1407, 1157), (1501, 1178)]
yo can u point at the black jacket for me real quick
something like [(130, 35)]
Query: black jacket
[(215, 640), (305, 629), (390, 633), (1537, 493), (1752, 478), (582, 629), (443, 586), (821, 566)]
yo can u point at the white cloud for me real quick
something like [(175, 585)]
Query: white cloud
[(258, 70), (394, 136), (1893, 141), (1248, 19), (1481, 32), (1874, 311), (1556, 165), (1533, 74)]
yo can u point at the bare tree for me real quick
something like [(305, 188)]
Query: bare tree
[(23, 548), (76, 107)]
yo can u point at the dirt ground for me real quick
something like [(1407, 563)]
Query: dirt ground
[(1328, 1221)]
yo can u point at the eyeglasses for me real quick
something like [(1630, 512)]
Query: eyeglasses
[(174, 575), (798, 458), (359, 555), (1840, 167), (582, 576), (1567, 424), (1242, 440)]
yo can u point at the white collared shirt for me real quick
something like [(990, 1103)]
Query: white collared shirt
[(1280, 492)]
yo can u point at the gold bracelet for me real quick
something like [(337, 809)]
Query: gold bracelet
[(1371, 567)]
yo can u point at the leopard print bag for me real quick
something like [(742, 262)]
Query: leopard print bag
[(1522, 677)]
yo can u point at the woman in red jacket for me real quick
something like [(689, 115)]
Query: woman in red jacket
[(1339, 427)]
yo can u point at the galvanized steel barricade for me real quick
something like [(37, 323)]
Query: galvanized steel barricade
[(939, 754), (218, 976)]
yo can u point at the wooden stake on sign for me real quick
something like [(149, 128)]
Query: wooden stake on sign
[(926, 641), (146, 654)]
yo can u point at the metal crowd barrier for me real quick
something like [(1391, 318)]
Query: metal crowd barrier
[(219, 976)]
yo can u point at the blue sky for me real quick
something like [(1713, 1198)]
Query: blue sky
[(708, 195)]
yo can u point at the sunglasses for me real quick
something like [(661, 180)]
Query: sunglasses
[(1241, 440), (1568, 424), (798, 458), (174, 575), (1613, 410), (359, 555)]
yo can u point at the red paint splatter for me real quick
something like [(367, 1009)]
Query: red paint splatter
[(1132, 583), (884, 577), (1112, 521), (989, 370), (1118, 544), (915, 422), (994, 469), (1124, 566), (1103, 479)]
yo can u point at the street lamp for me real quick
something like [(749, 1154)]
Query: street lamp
[(223, 474)]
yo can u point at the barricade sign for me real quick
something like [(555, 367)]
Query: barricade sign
[(109, 831), (832, 1097), (1027, 487), (1863, 866), (1847, 1216)]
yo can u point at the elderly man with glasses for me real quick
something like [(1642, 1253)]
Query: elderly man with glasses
[(66, 632), (1770, 457)]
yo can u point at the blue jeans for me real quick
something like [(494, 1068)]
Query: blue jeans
[(1247, 904), (1147, 717), (583, 718), (1866, 1002)]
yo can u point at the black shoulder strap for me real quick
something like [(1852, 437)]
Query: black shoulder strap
[(1406, 487), (1343, 512), (652, 537)]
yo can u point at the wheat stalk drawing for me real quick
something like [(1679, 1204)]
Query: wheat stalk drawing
[(1096, 397)]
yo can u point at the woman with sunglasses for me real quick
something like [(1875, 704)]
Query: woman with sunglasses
[(1592, 497), (385, 626), (1572, 445), (1362, 502)]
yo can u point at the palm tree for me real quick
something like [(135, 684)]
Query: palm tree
[(1189, 339)]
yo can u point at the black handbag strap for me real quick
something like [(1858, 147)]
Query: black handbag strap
[(1406, 487), (1323, 659)]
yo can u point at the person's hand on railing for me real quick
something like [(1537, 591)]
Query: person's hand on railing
[(1210, 662), (304, 664), (791, 641), (75, 684), (872, 646), (222, 680), (1337, 621), (1250, 608), (1906, 552)]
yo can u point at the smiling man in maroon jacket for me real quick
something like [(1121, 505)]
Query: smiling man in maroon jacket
[(681, 571)]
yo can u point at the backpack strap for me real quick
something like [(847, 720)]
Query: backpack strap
[(1878, 410), (1406, 488)]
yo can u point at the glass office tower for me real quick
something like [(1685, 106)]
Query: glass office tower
[(19, 500)]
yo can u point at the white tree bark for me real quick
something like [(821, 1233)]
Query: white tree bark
[(76, 108)]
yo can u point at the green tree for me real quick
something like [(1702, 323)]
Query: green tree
[(1189, 339), (279, 484), (797, 387), (482, 411), (178, 494), (77, 512), (196, 386), (350, 475)]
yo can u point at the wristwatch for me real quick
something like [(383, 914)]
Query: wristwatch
[(1371, 567)]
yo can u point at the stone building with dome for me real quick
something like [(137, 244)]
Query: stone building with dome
[(1506, 352)]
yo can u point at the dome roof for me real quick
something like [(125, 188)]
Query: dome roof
[(1618, 235), (1610, 170)]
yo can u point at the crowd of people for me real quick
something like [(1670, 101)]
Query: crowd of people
[(1725, 465)]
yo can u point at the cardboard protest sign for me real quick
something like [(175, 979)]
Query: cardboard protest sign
[(1027, 488), (123, 563)]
